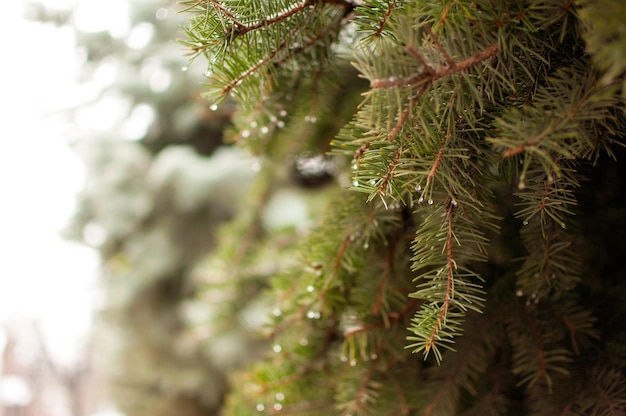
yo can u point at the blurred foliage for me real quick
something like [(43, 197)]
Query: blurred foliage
[(161, 183)]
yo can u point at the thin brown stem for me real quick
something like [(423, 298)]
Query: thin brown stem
[(383, 22), (444, 71), (382, 287), (439, 46), (449, 268), (403, 118)]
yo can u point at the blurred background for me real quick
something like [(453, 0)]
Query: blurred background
[(109, 153)]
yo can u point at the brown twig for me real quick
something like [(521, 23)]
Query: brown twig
[(441, 72), (449, 267), (381, 25)]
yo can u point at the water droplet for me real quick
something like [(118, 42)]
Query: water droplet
[(278, 406), (280, 124), (280, 396), (277, 348), (276, 312), (421, 199), (260, 407), (374, 356), (184, 68), (521, 185), (524, 222), (310, 288), (353, 363), (253, 124), (366, 245), (283, 113), (213, 107), (372, 181), (355, 183), (519, 293), (454, 203), (430, 201), (310, 314), (245, 134), (273, 119), (343, 358), (313, 119), (418, 188), (304, 342), (264, 130)]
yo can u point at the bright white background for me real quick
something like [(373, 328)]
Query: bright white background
[(42, 276)]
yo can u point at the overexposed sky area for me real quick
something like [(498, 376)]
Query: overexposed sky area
[(42, 276)]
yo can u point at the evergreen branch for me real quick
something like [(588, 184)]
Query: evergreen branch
[(428, 68), (381, 26), (362, 396), (430, 177), (394, 318), (440, 47), (241, 29), (464, 367), (241, 77), (385, 180), (444, 15), (449, 288), (382, 287), (222, 9), (404, 406), (361, 150), (441, 72), (403, 118), (532, 357), (271, 20)]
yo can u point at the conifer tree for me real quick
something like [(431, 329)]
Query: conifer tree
[(467, 260)]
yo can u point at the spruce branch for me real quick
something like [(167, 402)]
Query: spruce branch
[(240, 29), (427, 77), (381, 26)]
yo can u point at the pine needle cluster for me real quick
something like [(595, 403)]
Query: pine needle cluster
[(467, 134)]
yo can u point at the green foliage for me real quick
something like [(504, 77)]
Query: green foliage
[(467, 137)]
